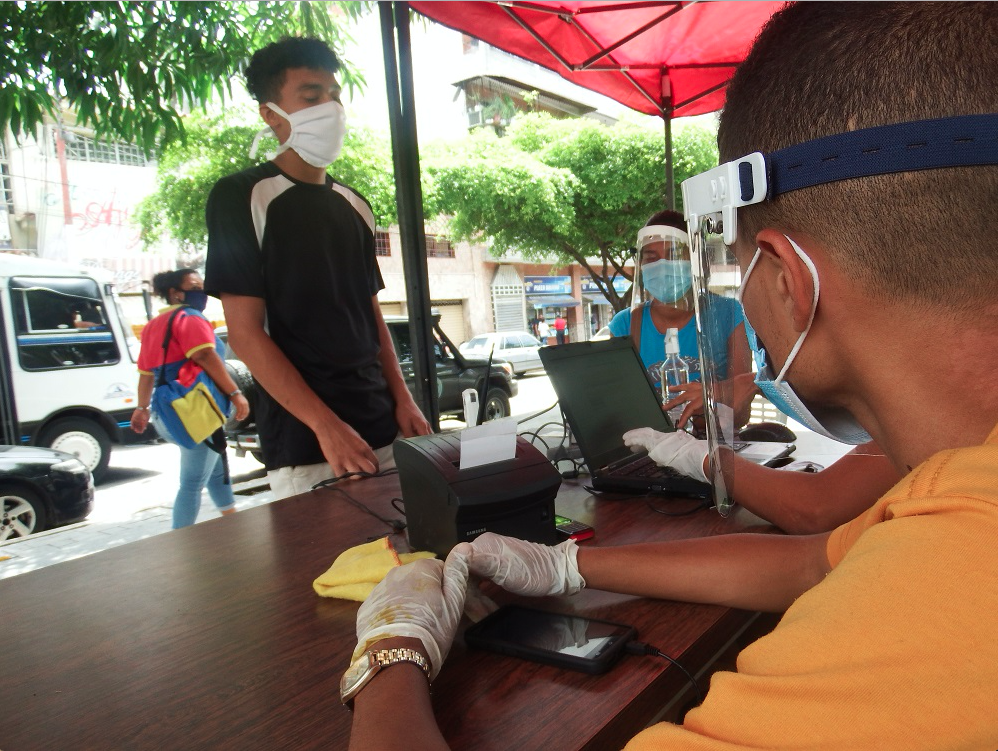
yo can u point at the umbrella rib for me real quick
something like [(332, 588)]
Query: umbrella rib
[(605, 52), (537, 37), (700, 95), (627, 76)]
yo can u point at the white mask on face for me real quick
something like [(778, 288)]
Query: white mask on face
[(316, 133)]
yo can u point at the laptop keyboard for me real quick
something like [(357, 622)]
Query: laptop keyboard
[(644, 468)]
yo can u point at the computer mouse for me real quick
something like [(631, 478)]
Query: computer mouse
[(767, 431)]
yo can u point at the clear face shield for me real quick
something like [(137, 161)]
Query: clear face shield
[(711, 216), (662, 272)]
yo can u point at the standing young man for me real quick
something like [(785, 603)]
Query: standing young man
[(860, 143), (291, 255)]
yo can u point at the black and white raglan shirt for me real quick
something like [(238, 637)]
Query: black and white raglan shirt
[(308, 251)]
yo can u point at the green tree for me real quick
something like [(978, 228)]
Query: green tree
[(129, 69), (217, 146), (562, 190)]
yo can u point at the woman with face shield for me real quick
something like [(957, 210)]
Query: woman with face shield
[(662, 299)]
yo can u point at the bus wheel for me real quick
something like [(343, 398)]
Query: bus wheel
[(83, 438)]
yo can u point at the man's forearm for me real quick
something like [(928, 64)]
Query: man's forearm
[(813, 502), (271, 367), (751, 571)]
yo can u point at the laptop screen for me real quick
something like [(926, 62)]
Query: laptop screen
[(604, 392)]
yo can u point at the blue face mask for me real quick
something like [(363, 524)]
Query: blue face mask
[(195, 298), (667, 281), (834, 423)]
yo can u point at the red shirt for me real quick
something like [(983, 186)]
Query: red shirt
[(560, 324), (191, 332)]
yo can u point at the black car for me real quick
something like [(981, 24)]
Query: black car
[(40, 489), (455, 373)]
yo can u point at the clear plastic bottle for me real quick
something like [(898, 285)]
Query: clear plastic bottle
[(674, 371)]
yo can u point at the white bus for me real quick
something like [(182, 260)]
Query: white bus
[(69, 356)]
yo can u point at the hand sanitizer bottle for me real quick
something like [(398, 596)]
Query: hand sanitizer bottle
[(674, 371)]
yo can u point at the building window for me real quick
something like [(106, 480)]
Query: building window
[(382, 243), (85, 149), (6, 189), (438, 246)]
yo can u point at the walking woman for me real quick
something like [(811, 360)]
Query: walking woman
[(192, 345)]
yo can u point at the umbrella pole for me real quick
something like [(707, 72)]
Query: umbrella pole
[(670, 180)]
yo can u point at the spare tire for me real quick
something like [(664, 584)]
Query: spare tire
[(244, 381)]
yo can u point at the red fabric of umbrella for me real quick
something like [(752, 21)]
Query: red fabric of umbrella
[(670, 59)]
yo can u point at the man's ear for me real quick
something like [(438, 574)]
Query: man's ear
[(795, 287)]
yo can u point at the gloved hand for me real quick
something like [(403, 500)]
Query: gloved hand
[(524, 568), (678, 450), (423, 600)]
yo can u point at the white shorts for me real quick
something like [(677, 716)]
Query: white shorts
[(289, 481)]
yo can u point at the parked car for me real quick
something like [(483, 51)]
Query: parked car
[(518, 348), (455, 373), (40, 489)]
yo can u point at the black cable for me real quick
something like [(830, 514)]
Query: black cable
[(396, 525), (536, 414), (639, 648), (346, 475), (701, 505)]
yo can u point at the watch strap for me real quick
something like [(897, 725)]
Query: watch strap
[(377, 660)]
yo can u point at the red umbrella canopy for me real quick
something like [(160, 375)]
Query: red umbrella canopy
[(671, 59)]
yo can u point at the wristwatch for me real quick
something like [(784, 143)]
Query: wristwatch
[(369, 664)]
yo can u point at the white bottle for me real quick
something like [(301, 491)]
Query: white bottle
[(674, 372)]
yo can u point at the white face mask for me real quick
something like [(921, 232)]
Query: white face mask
[(834, 423), (316, 133)]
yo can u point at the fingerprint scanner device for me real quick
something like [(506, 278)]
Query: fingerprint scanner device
[(445, 505)]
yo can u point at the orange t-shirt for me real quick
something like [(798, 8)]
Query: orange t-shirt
[(896, 649)]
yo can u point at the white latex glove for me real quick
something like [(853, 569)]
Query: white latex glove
[(678, 450), (422, 600), (643, 439), (524, 568)]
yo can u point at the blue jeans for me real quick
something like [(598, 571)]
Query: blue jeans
[(200, 467)]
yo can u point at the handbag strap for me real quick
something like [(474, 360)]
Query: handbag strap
[(636, 321), (161, 378)]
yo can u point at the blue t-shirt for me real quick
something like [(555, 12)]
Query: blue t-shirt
[(727, 314)]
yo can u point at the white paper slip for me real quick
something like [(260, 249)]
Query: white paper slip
[(493, 441)]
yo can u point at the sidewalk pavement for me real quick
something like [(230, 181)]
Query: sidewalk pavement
[(99, 532)]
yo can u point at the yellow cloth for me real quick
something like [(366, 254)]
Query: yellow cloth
[(895, 649), (357, 570)]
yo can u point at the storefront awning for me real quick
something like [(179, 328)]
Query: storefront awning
[(552, 301), (596, 299)]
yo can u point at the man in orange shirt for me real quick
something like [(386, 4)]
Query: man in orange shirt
[(860, 175)]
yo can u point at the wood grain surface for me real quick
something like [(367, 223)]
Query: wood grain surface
[(211, 637)]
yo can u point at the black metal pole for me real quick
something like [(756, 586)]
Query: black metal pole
[(670, 178), (409, 196)]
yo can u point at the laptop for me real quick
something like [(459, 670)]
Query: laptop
[(604, 392)]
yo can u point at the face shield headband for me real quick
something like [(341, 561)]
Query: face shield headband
[(711, 201)]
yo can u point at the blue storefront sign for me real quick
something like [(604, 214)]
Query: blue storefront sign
[(547, 285)]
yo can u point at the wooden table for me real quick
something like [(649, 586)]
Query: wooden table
[(211, 637)]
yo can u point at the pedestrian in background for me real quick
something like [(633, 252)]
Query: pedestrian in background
[(193, 344)]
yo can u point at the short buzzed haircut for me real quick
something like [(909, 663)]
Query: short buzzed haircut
[(266, 72), (821, 68)]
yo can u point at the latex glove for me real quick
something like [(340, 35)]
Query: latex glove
[(643, 439), (524, 568), (423, 600), (678, 450)]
